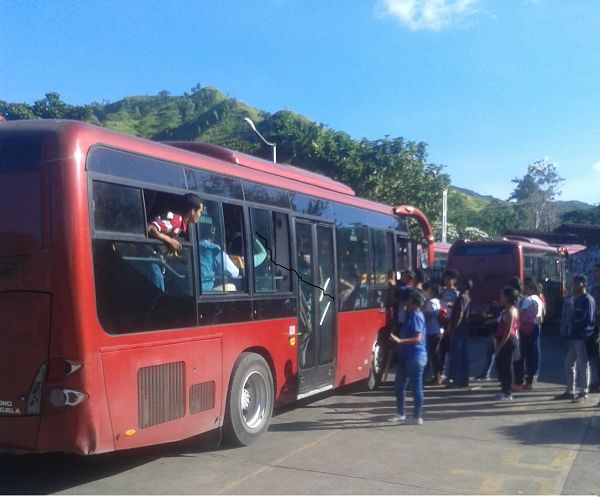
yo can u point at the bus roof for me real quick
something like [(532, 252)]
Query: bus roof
[(82, 136), (516, 241), (277, 169)]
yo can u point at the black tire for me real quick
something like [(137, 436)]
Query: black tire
[(251, 386)]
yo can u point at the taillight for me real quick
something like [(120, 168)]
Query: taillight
[(60, 368), (34, 399), (62, 397), (57, 396)]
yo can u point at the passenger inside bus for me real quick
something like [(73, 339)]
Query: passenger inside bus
[(214, 262), (170, 225), (304, 265)]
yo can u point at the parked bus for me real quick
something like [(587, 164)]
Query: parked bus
[(97, 357), (440, 261), (492, 263)]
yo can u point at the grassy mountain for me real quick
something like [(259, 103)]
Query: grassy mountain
[(389, 170)]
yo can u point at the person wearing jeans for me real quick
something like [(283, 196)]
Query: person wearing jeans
[(577, 366), (506, 341), (411, 358), (530, 322), (459, 335)]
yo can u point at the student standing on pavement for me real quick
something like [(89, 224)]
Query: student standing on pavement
[(594, 340), (506, 341), (530, 322), (431, 310), (582, 327), (447, 299), (411, 357), (459, 335)]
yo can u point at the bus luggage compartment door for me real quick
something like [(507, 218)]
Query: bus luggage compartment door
[(163, 393), (25, 335)]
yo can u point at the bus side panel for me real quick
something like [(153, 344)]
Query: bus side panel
[(164, 393), (357, 331)]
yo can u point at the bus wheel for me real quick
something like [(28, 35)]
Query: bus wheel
[(249, 400), (376, 369)]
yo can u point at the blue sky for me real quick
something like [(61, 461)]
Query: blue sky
[(490, 85)]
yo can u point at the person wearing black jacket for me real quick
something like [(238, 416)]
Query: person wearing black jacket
[(458, 331), (581, 327)]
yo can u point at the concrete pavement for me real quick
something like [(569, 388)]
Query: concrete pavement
[(343, 444)]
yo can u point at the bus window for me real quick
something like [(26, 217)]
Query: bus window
[(271, 252), (382, 255), (233, 222), (118, 208), (353, 254), (404, 254), (140, 285), (216, 268), (22, 204)]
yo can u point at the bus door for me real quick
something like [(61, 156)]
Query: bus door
[(316, 306)]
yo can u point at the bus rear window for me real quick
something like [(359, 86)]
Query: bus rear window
[(483, 250), (20, 195)]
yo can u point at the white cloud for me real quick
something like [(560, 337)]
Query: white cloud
[(596, 167), (433, 15)]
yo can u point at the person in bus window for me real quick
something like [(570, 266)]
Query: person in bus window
[(170, 225), (411, 358), (530, 322), (214, 261), (581, 327), (506, 341)]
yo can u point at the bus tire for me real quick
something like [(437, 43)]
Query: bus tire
[(249, 400)]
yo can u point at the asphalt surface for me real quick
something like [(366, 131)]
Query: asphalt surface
[(343, 444)]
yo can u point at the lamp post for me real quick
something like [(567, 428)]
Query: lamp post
[(444, 214), (434, 173), (249, 122)]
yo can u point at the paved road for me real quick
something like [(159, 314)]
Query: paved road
[(342, 444)]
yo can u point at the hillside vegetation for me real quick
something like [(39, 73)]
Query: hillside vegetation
[(389, 170)]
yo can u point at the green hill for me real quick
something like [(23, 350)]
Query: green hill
[(389, 170)]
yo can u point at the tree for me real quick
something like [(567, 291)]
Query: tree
[(51, 107), (473, 233), (535, 191), (16, 111)]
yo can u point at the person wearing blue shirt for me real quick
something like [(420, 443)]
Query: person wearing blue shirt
[(411, 359)]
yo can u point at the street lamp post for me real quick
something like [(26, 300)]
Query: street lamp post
[(444, 215), (249, 122), (434, 173)]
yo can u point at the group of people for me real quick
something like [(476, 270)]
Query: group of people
[(431, 328)]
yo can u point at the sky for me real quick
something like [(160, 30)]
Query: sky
[(489, 85)]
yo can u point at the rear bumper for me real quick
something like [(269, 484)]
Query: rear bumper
[(19, 434)]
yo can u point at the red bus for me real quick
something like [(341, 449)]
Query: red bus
[(492, 263), (96, 357), (440, 261)]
